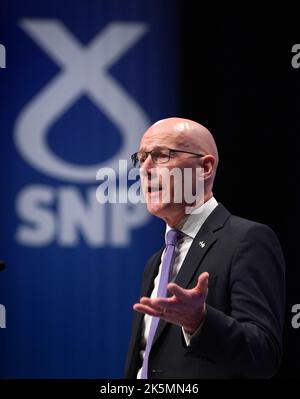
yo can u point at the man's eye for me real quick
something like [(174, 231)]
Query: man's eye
[(141, 158), (161, 155)]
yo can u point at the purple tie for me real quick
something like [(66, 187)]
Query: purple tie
[(166, 269)]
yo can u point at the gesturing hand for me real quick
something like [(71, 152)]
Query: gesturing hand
[(186, 307)]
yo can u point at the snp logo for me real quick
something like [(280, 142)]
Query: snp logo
[(60, 214), (2, 57)]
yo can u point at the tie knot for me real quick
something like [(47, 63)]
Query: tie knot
[(172, 237)]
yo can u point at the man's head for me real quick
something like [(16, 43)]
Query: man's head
[(201, 154)]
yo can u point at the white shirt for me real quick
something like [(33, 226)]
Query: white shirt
[(190, 226)]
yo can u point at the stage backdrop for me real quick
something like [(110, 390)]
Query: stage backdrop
[(83, 80)]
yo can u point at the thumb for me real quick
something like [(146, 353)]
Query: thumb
[(202, 282)]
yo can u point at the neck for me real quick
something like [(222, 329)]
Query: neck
[(175, 219)]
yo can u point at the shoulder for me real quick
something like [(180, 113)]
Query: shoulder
[(238, 235), (248, 230), (240, 228), (253, 240)]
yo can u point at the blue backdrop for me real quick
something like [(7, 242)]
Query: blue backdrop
[(83, 80)]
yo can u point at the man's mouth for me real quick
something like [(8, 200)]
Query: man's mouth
[(154, 189)]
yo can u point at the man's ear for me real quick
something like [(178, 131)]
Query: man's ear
[(208, 163)]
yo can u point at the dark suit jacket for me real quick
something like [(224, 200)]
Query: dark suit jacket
[(241, 336)]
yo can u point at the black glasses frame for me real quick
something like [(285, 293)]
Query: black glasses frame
[(135, 161)]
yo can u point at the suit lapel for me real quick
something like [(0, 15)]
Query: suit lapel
[(204, 240), (147, 287), (148, 283), (201, 244)]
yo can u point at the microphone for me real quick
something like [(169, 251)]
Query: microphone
[(2, 265)]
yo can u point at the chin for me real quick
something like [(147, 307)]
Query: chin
[(156, 209)]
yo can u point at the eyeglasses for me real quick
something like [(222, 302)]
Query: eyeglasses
[(158, 156)]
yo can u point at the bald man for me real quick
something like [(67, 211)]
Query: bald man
[(223, 313)]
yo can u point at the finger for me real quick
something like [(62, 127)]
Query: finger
[(146, 309), (202, 283), (179, 292), (163, 303), (152, 303), (145, 300)]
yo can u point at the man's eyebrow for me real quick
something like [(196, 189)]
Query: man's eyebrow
[(157, 147)]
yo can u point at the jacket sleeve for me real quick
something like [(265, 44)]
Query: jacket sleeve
[(249, 339)]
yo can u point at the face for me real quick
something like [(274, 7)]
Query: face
[(164, 194)]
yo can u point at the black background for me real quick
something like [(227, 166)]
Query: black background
[(238, 80)]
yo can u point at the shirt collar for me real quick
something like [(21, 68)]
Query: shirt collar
[(191, 224)]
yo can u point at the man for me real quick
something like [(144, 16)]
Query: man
[(223, 313)]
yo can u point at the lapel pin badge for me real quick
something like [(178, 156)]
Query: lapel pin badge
[(202, 244)]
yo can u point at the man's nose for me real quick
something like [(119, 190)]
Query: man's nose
[(147, 164)]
